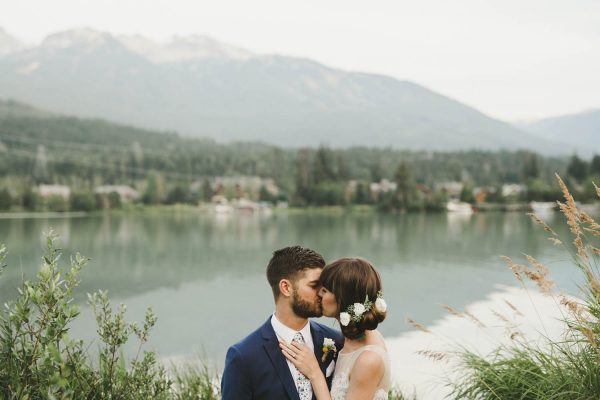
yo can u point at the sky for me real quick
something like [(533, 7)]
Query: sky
[(515, 60)]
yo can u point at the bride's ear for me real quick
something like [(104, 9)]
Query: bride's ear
[(285, 287)]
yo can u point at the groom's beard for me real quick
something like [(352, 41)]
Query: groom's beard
[(306, 309)]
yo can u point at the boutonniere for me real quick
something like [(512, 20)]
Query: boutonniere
[(328, 346)]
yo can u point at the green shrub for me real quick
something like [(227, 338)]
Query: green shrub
[(57, 203), (41, 361), (5, 199), (83, 201)]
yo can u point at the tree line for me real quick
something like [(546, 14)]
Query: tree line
[(166, 168)]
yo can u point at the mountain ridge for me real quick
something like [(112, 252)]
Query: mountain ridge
[(9, 44), (580, 129), (229, 96)]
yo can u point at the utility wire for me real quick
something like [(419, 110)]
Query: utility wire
[(117, 168), (77, 146)]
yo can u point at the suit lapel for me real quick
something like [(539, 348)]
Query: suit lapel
[(271, 346), (318, 338)]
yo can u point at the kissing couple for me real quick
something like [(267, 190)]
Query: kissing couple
[(292, 358)]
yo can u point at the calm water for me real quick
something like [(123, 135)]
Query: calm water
[(204, 274)]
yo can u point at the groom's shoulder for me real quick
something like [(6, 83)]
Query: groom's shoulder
[(250, 342)]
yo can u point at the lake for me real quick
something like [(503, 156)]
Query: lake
[(204, 274)]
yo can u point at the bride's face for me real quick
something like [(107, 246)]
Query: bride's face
[(328, 303)]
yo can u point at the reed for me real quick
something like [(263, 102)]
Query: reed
[(568, 369)]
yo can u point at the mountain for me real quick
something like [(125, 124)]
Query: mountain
[(182, 49), (577, 130), (201, 87), (9, 44), (14, 109)]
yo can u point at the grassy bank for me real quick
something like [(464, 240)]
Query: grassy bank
[(568, 368)]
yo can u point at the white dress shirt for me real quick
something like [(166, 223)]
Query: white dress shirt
[(286, 334)]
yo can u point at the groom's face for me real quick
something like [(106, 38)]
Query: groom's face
[(305, 301)]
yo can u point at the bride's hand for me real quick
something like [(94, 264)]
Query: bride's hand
[(302, 357)]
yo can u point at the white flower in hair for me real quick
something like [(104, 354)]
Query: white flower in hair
[(344, 318), (380, 305), (359, 309)]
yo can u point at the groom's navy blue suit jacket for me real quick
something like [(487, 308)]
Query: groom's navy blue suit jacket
[(255, 368)]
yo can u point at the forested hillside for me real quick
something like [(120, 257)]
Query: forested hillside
[(38, 147)]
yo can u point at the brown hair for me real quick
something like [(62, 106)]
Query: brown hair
[(351, 280), (286, 263)]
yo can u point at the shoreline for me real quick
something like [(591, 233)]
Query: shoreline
[(205, 209)]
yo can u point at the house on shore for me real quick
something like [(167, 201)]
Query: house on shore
[(47, 191), (126, 193)]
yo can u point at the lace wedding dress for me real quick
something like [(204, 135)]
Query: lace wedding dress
[(344, 364)]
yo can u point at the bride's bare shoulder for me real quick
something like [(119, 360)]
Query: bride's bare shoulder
[(368, 365)]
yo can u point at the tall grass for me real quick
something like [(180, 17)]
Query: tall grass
[(566, 369)]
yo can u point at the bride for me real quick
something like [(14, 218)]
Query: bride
[(351, 292)]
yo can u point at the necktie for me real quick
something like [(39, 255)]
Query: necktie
[(302, 382)]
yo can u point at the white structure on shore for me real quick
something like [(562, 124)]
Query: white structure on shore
[(383, 186), (542, 207), (126, 193), (512, 190), (459, 207), (452, 189), (54, 190)]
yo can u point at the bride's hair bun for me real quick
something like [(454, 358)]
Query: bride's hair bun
[(351, 280)]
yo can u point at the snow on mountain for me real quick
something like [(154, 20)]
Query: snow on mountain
[(82, 37), (201, 87), (9, 44), (182, 48)]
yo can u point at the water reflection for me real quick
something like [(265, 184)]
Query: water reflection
[(204, 274), (539, 319)]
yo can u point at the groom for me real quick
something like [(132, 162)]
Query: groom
[(255, 368)]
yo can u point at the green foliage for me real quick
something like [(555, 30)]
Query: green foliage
[(57, 203), (323, 170), (595, 165), (466, 193), (179, 194), (41, 361), (83, 201), (405, 188), (195, 383), (530, 166), (31, 201), (531, 373), (207, 191), (37, 356), (396, 394), (155, 191), (538, 190), (362, 194), (567, 369), (87, 153), (326, 194), (114, 200), (5, 199), (577, 168)]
